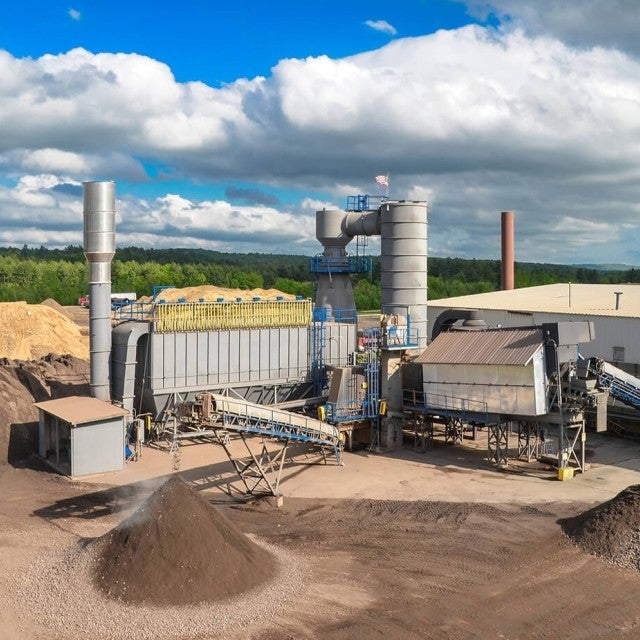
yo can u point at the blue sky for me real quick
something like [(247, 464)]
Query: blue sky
[(219, 41), (226, 125)]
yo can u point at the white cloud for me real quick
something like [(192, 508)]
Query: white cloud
[(473, 120), (609, 23), (382, 25), (53, 208), (74, 14)]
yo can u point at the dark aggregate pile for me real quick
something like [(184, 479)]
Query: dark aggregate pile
[(610, 530), (177, 549)]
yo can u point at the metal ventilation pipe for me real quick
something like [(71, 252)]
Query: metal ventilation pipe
[(508, 252), (99, 248), (403, 240)]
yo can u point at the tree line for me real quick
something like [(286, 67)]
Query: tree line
[(35, 274)]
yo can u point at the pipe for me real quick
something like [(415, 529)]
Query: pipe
[(508, 252), (99, 217)]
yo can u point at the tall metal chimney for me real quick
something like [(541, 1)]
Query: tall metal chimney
[(508, 252), (99, 248)]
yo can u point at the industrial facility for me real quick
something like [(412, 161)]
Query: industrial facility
[(299, 371)]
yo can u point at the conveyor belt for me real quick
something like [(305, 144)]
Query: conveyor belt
[(240, 415), (621, 384)]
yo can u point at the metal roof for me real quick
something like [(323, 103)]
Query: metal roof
[(494, 346), (566, 298), (81, 409)]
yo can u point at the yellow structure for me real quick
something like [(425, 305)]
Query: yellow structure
[(205, 316), (565, 473)]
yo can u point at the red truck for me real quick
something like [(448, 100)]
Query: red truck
[(117, 299)]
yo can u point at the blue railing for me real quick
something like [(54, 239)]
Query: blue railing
[(341, 264), (448, 406), (365, 202), (347, 316)]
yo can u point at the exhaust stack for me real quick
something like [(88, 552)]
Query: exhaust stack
[(508, 251), (99, 248)]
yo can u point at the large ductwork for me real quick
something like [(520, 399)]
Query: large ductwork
[(402, 227), (99, 216), (508, 251)]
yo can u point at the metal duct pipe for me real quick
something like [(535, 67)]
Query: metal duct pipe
[(362, 224), (403, 233), (508, 251), (99, 248), (334, 289)]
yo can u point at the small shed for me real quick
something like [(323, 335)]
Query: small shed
[(493, 371), (82, 436)]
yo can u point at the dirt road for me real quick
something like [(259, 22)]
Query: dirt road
[(368, 568)]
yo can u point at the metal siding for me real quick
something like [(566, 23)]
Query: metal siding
[(97, 448), (219, 357), (540, 382), (268, 361), (180, 359), (514, 347), (294, 350), (155, 375), (168, 360), (504, 389), (253, 371), (238, 356), (203, 357), (191, 360), (280, 346)]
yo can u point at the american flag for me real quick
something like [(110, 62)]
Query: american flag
[(383, 181)]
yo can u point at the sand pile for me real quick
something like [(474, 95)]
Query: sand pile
[(31, 331), (210, 294), (610, 530), (178, 550)]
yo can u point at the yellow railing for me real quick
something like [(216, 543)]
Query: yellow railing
[(203, 316)]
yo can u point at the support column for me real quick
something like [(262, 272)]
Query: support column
[(498, 443)]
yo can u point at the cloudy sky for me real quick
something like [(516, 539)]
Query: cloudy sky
[(227, 124)]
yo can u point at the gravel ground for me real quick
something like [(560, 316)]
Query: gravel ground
[(57, 592)]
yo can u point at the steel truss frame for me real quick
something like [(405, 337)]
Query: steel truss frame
[(260, 473), (570, 436), (422, 432), (498, 443), (453, 430)]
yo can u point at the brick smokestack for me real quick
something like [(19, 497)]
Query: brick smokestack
[(508, 252)]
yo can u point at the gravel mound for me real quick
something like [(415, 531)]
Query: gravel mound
[(177, 549), (610, 530)]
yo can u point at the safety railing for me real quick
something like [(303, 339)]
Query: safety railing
[(341, 264), (435, 403), (202, 316)]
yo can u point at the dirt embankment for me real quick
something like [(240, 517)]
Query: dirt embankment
[(23, 382)]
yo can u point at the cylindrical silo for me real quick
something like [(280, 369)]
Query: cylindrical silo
[(403, 239), (99, 248)]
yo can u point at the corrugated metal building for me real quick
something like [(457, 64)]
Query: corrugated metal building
[(614, 310), (487, 371), (82, 436)]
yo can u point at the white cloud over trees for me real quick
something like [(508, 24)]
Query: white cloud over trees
[(478, 119)]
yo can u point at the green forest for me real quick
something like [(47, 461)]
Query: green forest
[(35, 274)]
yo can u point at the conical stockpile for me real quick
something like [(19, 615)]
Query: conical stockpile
[(611, 530), (177, 549)]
